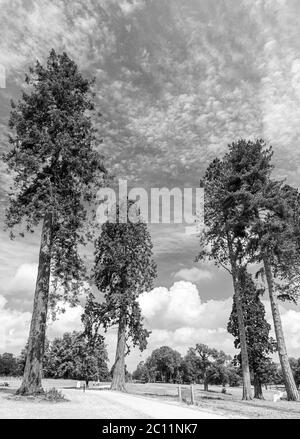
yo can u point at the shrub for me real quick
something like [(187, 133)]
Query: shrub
[(54, 395)]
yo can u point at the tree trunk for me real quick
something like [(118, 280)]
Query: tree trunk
[(289, 382), (205, 385), (32, 379), (258, 393), (247, 391), (118, 381)]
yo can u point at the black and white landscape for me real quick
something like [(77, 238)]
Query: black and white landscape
[(149, 218)]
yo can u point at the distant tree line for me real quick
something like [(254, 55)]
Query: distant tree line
[(10, 365), (204, 365), (72, 356)]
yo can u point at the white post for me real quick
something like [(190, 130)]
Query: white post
[(192, 395), (179, 394)]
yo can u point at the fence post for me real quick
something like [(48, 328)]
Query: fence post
[(192, 395), (179, 394)]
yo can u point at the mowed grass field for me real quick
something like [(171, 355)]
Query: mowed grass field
[(229, 404)]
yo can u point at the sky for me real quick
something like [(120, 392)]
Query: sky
[(176, 81)]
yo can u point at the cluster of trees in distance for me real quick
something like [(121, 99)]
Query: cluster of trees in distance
[(204, 365), (68, 357), (11, 365)]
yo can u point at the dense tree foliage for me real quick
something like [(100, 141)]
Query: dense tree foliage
[(259, 343), (210, 365), (272, 240), (55, 168), (200, 365), (74, 356), (295, 365), (270, 373), (190, 368), (230, 184), (206, 366), (9, 365), (143, 373), (166, 362), (275, 244), (250, 218), (124, 269)]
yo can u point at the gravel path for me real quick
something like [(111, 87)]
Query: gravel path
[(95, 404)]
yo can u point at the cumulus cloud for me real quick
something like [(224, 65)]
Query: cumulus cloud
[(165, 309), (291, 326), (14, 328), (67, 321), (193, 274), (23, 282), (181, 306), (178, 318), (17, 281)]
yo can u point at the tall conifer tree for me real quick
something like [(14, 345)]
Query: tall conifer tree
[(124, 269), (55, 168)]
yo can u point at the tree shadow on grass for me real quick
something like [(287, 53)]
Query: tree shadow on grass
[(50, 395), (7, 390)]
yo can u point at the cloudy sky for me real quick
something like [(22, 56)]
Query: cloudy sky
[(176, 80)]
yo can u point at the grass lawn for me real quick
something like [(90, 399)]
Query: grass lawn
[(228, 404)]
